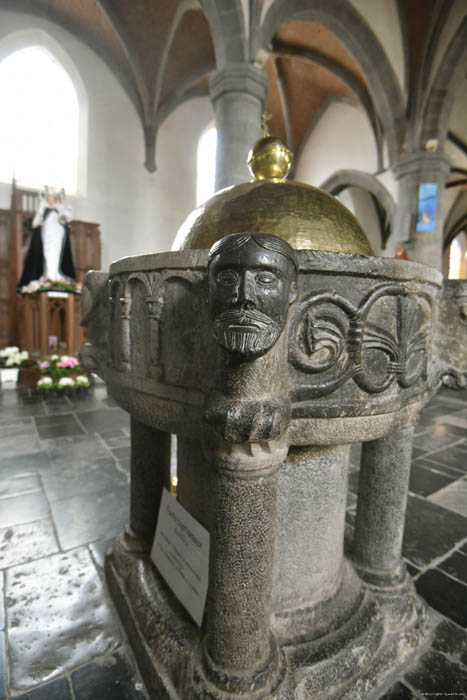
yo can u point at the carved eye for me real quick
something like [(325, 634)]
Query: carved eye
[(227, 277), (266, 279)]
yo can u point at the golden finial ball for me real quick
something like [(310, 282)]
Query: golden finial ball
[(270, 159)]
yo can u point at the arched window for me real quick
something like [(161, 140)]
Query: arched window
[(39, 121), (206, 165), (458, 257)]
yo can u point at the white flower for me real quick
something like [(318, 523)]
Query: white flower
[(54, 357), (44, 382), (82, 380), (13, 360), (24, 355), (32, 287), (66, 381), (12, 350)]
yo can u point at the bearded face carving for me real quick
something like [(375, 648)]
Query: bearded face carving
[(252, 281)]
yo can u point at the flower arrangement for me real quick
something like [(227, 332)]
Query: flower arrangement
[(13, 357), (62, 373), (43, 284)]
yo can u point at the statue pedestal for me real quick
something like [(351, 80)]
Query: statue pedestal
[(50, 315)]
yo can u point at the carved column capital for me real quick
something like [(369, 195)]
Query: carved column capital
[(426, 164), (241, 78)]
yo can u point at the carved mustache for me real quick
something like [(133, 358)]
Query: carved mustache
[(245, 317)]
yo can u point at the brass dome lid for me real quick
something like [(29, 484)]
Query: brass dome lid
[(304, 216)]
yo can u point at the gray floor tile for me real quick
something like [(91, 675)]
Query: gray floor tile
[(56, 690), (23, 509), (75, 625), (114, 680), (21, 411), (436, 676), (454, 457), (431, 531), (77, 450), (439, 436), (73, 480), (24, 464), (121, 453), (18, 445), (115, 438), (424, 481), (6, 421), (22, 543), (58, 405), (453, 497), (104, 419), (455, 565), (18, 430), (83, 519), (19, 483), (57, 426)]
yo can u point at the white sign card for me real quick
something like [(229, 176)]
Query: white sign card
[(181, 553)]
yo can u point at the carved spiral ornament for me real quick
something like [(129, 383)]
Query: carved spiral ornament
[(381, 341)]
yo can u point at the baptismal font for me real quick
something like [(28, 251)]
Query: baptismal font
[(268, 343)]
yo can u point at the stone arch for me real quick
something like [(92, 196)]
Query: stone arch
[(39, 38), (354, 33), (182, 9), (228, 29), (442, 92), (161, 108), (357, 178)]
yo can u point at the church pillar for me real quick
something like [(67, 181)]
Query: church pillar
[(411, 171), (238, 92), (382, 502), (150, 473)]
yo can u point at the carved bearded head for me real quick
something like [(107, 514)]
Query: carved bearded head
[(252, 282)]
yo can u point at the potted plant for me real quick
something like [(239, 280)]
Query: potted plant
[(61, 374), (11, 359)]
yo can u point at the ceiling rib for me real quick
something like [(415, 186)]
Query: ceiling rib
[(130, 52), (284, 100), (316, 57)]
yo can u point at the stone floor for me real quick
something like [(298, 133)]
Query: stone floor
[(64, 494)]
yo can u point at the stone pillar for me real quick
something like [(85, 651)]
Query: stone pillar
[(309, 540), (251, 285), (238, 92), (411, 171), (242, 656), (382, 501), (150, 472)]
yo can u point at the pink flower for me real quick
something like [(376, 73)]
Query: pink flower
[(44, 365), (68, 361)]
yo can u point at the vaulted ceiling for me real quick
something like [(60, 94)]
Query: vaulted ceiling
[(163, 52)]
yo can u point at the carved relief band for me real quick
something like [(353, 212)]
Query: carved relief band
[(336, 340)]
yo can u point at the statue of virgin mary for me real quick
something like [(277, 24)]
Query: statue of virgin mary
[(49, 255)]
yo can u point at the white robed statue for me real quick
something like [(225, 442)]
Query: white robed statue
[(49, 255)]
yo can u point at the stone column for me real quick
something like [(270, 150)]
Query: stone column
[(251, 285), (382, 501), (241, 654), (238, 92), (309, 540), (411, 171), (150, 472)]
